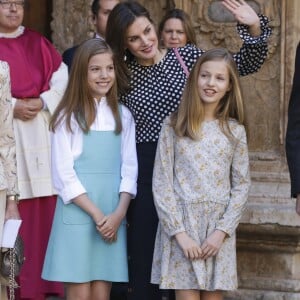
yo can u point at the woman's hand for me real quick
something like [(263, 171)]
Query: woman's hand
[(189, 247), (212, 244), (244, 14)]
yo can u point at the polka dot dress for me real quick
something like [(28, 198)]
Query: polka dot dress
[(156, 90)]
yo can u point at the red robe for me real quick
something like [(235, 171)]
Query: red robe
[(33, 60)]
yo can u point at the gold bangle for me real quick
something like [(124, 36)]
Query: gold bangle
[(13, 198)]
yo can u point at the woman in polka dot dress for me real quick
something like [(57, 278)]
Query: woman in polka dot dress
[(155, 83)]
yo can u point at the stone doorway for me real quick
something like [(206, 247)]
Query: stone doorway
[(38, 16)]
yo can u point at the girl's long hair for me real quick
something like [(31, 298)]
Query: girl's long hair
[(187, 120), (77, 99)]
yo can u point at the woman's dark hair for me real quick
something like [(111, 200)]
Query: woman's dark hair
[(120, 18)]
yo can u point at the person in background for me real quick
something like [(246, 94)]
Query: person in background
[(176, 29), (100, 12), (155, 79), (8, 168), (201, 183), (38, 80), (94, 171), (293, 134)]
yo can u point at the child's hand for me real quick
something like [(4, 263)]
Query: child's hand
[(99, 226), (109, 226), (212, 244), (189, 247)]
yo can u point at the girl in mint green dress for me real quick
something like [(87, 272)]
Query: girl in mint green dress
[(94, 168)]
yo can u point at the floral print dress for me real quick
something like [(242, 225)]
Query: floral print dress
[(199, 186)]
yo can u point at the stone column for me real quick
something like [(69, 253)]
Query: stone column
[(269, 234)]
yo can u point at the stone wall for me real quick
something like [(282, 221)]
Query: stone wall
[(268, 236)]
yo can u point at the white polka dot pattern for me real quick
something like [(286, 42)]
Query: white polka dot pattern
[(156, 90)]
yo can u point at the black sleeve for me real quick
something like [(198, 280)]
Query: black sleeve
[(68, 56), (293, 130)]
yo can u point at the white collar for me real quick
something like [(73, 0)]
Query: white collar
[(11, 35), (101, 102)]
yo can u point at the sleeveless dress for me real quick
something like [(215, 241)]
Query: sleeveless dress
[(76, 251)]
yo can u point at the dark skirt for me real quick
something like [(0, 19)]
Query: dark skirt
[(142, 219)]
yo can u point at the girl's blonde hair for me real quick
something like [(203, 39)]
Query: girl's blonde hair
[(187, 120), (77, 99)]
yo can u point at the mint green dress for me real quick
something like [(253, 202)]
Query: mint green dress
[(76, 251)]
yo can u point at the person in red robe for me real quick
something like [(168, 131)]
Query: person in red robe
[(38, 80)]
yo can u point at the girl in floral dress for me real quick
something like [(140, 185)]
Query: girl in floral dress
[(156, 80), (201, 183)]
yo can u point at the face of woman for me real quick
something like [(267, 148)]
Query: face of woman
[(141, 40), (11, 16), (173, 34), (101, 74)]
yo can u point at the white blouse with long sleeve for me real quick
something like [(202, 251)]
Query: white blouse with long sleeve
[(67, 147)]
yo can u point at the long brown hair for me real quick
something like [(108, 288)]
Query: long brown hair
[(77, 99), (187, 120)]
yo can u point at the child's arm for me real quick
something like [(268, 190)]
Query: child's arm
[(254, 31), (189, 247), (240, 185), (169, 214), (84, 202), (129, 166), (65, 179), (212, 244), (129, 170), (110, 224)]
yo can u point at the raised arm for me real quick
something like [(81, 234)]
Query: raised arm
[(254, 31), (244, 14)]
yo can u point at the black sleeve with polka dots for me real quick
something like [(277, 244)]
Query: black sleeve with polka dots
[(155, 91), (254, 50), (252, 54)]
